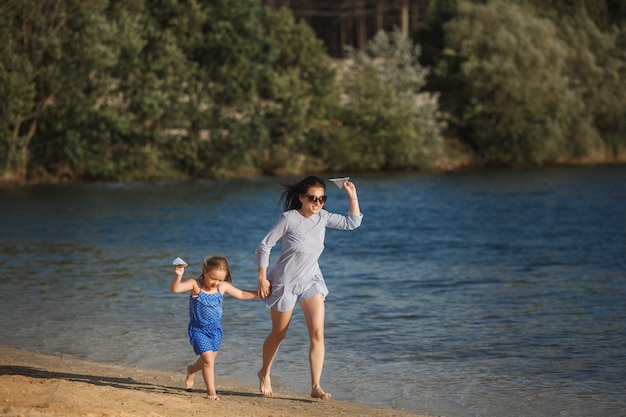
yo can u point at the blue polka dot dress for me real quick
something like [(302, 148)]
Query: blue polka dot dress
[(205, 322)]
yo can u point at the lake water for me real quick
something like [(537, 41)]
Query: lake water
[(492, 293)]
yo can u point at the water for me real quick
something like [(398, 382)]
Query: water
[(495, 293)]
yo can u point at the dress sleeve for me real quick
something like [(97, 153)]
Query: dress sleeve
[(262, 253), (349, 221)]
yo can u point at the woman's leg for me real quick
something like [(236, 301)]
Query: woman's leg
[(313, 310), (280, 324)]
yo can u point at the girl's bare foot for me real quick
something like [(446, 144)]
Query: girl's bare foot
[(212, 397), (265, 385), (318, 392), (190, 377)]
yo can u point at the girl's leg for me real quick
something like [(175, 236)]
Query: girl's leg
[(313, 310), (191, 372), (280, 324), (208, 364)]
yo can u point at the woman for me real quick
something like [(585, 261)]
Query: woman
[(296, 277)]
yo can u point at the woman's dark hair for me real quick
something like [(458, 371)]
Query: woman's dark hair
[(290, 197)]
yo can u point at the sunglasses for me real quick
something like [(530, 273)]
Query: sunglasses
[(314, 199)]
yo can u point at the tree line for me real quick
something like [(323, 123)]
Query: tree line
[(530, 81), (115, 90)]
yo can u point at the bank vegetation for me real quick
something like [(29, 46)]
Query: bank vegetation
[(112, 90)]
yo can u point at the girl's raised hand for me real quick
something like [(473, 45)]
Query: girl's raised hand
[(179, 270)]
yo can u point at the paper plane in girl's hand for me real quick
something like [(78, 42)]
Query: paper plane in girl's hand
[(179, 261)]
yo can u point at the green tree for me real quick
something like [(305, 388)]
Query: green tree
[(121, 81), (596, 68), (520, 108), (430, 34), (445, 77), (388, 123), (78, 76), (37, 30), (603, 13), (299, 99), (232, 53), (18, 91)]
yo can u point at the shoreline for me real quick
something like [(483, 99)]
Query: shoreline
[(43, 385), (460, 164)]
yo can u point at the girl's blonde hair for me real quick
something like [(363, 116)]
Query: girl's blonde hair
[(217, 262)]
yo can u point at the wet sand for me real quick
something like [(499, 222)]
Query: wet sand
[(36, 385)]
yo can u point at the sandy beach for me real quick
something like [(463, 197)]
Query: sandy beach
[(35, 385)]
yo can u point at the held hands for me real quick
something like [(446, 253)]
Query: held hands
[(264, 288)]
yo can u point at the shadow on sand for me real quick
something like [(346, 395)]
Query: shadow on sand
[(122, 383)]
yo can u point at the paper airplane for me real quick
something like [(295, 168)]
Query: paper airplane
[(179, 261), (339, 181)]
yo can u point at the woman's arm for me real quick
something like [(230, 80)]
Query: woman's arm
[(354, 199), (264, 285), (262, 253), (353, 219)]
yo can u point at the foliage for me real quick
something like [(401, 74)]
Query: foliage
[(603, 13), (117, 90), (430, 33), (18, 92), (445, 77), (523, 85), (514, 61), (388, 123), (596, 68), (301, 95), (224, 58)]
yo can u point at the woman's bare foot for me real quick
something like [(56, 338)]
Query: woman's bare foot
[(265, 385), (190, 377), (318, 392), (212, 397)]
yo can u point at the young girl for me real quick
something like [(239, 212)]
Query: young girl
[(205, 314)]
